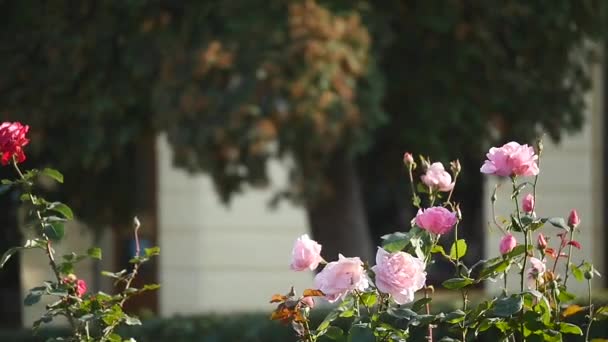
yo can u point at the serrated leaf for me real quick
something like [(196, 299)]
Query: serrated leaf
[(94, 253), (462, 249), (54, 174), (62, 209)]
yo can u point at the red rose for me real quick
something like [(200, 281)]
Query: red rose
[(81, 287), (12, 140)]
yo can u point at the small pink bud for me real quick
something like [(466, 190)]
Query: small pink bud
[(528, 204), (541, 242), (507, 243), (408, 159), (309, 301), (70, 278), (575, 244), (573, 219)]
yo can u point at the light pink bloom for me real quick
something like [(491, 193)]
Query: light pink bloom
[(512, 159), (507, 243), (573, 219), (340, 277), (437, 178), (527, 204), (399, 274), (306, 254), (437, 220), (536, 270)]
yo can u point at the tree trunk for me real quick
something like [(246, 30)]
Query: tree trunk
[(339, 222)]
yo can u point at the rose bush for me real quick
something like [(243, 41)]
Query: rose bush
[(91, 316), (379, 301)]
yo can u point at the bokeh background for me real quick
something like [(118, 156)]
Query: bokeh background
[(232, 127)]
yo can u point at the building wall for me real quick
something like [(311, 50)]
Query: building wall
[(217, 258), (572, 177)]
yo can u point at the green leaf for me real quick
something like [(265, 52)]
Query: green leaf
[(462, 249), (94, 253), (62, 209), (508, 306), (558, 222), (334, 333), (34, 296), (369, 299), (438, 249), (420, 303), (395, 242), (457, 283), (454, 317), (577, 272), (54, 231), (569, 328), (130, 320), (494, 269), (152, 251), (151, 287), (401, 312), (361, 334), (54, 174), (8, 254)]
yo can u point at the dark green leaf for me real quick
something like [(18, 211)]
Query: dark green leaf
[(334, 333), (395, 242), (8, 254), (401, 312), (558, 222), (54, 174), (34, 295), (54, 231), (361, 334), (420, 303), (454, 317), (62, 209), (508, 306)]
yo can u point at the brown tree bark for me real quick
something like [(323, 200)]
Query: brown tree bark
[(339, 222)]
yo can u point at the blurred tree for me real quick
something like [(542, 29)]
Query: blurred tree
[(237, 84)]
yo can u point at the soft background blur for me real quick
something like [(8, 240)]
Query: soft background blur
[(232, 127)]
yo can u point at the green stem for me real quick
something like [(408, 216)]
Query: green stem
[(414, 194), (48, 246), (505, 283), (590, 310), (526, 242), (569, 257)]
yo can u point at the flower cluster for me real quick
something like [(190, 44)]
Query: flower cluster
[(538, 310)]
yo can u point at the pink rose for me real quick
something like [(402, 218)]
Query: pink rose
[(306, 254), (437, 220), (507, 243), (81, 287), (512, 159), (527, 204), (12, 141), (573, 219), (399, 274), (308, 301), (408, 159), (437, 178), (340, 277), (536, 270)]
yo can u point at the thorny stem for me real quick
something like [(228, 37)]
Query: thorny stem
[(590, 310), (48, 246)]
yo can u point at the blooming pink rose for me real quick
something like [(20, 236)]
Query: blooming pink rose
[(512, 159), (12, 141), (437, 220), (537, 268), (527, 204), (340, 277), (573, 219), (306, 254), (399, 274), (507, 243), (81, 287), (437, 178)]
